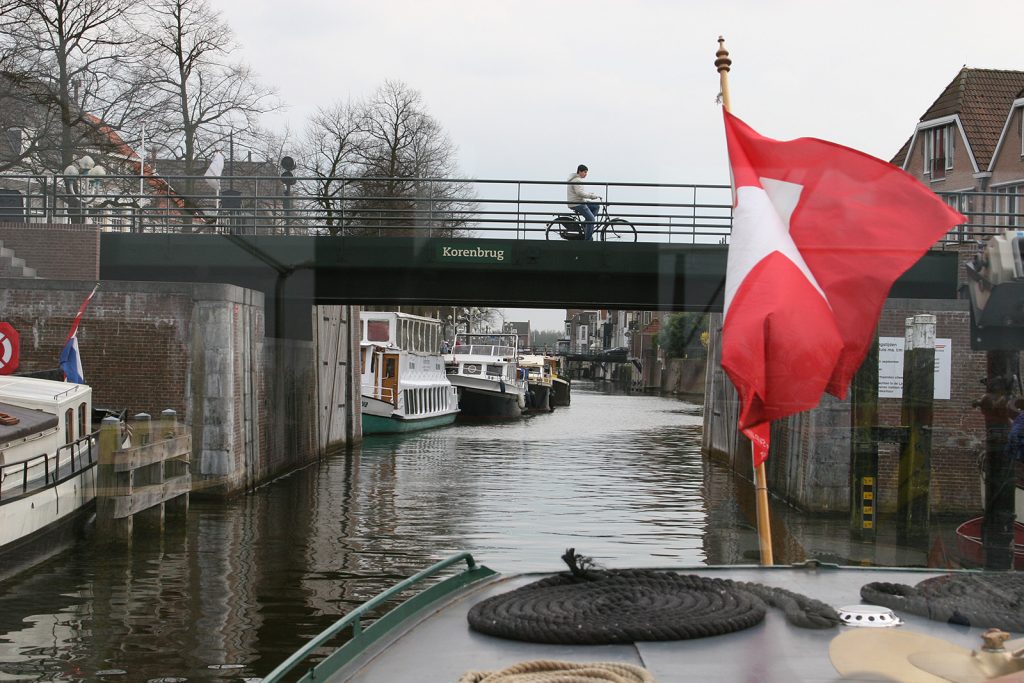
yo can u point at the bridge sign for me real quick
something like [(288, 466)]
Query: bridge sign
[(8, 349)]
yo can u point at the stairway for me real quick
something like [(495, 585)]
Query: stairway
[(12, 266)]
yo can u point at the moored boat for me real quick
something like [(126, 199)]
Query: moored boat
[(404, 385), (972, 551), (539, 381), (561, 387), (484, 368), (48, 456)]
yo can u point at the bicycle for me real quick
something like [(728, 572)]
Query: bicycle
[(570, 226)]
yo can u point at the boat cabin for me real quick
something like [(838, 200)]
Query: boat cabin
[(39, 416)]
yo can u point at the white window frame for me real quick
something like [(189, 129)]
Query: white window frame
[(949, 146), (1010, 203)]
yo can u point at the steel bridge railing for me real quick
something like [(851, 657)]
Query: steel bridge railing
[(433, 207)]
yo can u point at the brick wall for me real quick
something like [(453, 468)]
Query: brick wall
[(196, 348), (809, 465), (58, 251), (959, 436)]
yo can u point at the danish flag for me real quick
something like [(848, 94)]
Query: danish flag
[(820, 233)]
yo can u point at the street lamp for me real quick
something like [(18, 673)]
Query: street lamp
[(82, 180), (288, 178)]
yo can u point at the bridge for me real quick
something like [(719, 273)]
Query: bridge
[(420, 240)]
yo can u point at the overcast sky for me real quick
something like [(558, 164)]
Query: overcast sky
[(531, 88)]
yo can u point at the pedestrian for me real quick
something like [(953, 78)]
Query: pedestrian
[(583, 202)]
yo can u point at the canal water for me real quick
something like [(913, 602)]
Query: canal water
[(245, 582)]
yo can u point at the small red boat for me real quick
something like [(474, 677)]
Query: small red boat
[(968, 540)]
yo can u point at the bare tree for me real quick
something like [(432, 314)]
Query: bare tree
[(401, 145), (201, 97), (67, 70), (329, 155)]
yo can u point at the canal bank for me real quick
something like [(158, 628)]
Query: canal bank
[(256, 405)]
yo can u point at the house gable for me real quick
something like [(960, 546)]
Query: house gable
[(1008, 159)]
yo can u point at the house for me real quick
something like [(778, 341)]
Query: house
[(969, 147)]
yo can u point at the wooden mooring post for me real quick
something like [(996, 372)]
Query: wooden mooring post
[(864, 448), (914, 478), (914, 436), (150, 479), (999, 406)]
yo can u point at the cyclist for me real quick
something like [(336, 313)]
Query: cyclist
[(577, 197)]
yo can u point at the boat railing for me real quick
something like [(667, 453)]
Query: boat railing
[(380, 393), (361, 638), (47, 470)]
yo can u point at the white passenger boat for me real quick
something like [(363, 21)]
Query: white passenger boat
[(484, 368), (539, 381), (48, 455), (404, 385)]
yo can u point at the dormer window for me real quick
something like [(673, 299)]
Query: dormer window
[(938, 151)]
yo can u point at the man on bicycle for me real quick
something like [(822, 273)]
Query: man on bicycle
[(577, 197)]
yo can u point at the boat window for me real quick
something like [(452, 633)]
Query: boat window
[(69, 425), (378, 330), (389, 368), (495, 370), (81, 419)]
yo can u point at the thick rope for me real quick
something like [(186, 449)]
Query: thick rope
[(990, 600), (549, 671), (590, 607)]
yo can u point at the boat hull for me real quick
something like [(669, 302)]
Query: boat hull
[(376, 424), (972, 552), (492, 405), (538, 398), (560, 393), (39, 525)]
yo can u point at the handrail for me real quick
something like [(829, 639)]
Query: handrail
[(50, 477), (437, 207), (353, 618)]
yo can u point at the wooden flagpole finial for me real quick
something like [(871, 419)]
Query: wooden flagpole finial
[(723, 64)]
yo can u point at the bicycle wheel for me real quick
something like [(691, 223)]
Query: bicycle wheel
[(563, 227), (618, 229)]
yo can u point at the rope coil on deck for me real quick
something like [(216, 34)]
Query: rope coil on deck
[(991, 600), (589, 607), (550, 671)]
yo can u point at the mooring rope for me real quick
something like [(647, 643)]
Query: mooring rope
[(990, 600), (550, 671), (624, 606)]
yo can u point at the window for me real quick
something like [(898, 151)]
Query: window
[(1009, 208), (377, 330), (81, 420), (69, 425), (938, 151)]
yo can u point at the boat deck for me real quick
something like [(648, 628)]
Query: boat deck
[(441, 646)]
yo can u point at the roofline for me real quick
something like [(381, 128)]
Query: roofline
[(935, 123), (1017, 104)]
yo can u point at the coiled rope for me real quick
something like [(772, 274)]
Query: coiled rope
[(990, 600), (550, 671), (592, 607)]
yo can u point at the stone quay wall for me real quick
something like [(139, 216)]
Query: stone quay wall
[(199, 349), (810, 457)]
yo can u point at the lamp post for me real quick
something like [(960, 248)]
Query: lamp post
[(288, 178), (82, 180)]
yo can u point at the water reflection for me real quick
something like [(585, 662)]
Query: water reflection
[(619, 478)]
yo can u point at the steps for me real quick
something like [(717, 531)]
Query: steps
[(12, 266)]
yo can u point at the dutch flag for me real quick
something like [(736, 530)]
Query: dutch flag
[(70, 359)]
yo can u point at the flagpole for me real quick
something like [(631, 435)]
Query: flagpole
[(764, 529)]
